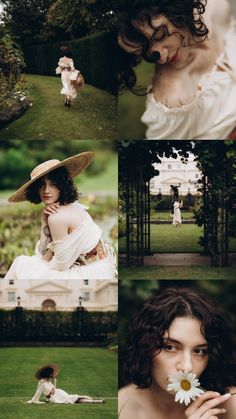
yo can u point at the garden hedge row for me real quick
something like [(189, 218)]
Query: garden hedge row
[(19, 324), (93, 55)]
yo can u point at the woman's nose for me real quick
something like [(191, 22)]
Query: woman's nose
[(185, 363), (46, 188)]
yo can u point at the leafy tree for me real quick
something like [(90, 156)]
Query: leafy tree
[(25, 19), (81, 17)]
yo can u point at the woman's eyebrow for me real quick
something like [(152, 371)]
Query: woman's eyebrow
[(169, 339)]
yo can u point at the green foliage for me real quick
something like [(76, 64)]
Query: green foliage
[(164, 203), (14, 98), (58, 325), (93, 55), (232, 226), (79, 17), (25, 19)]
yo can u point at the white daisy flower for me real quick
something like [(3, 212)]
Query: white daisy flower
[(185, 385)]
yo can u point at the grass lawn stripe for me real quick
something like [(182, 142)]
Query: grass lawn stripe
[(92, 116), (166, 238), (176, 272)]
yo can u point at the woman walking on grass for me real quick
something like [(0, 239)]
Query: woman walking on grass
[(47, 381), (177, 221), (68, 75)]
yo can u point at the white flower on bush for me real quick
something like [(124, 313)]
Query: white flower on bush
[(186, 387), (22, 98)]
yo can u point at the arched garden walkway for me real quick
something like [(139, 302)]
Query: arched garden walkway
[(216, 212)]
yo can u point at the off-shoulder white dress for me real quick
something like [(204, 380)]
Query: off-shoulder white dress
[(66, 76), (68, 261), (212, 113), (60, 396)]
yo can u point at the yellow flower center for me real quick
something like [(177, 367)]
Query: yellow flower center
[(185, 385)]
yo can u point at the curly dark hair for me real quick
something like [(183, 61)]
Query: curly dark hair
[(148, 326), (65, 50), (181, 13), (62, 180)]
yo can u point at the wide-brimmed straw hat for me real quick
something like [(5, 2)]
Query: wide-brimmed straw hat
[(74, 165), (53, 369)]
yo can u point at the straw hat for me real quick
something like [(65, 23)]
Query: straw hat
[(78, 83), (75, 165), (46, 371)]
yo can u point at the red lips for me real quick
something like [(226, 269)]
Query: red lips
[(174, 58)]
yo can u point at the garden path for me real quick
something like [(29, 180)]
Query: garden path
[(92, 116)]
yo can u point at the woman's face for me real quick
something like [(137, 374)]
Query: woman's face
[(48, 192), (170, 48), (185, 350)]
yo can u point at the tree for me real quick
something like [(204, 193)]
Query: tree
[(25, 19), (78, 18)]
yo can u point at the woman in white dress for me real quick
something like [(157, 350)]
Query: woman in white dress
[(68, 74), (70, 245), (192, 44), (47, 379), (177, 213)]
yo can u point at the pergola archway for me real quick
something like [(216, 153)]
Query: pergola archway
[(218, 191), (49, 305)]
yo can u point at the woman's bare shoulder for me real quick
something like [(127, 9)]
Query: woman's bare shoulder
[(219, 11), (230, 405), (129, 405)]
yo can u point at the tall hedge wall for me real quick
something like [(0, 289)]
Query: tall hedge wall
[(56, 325), (94, 56)]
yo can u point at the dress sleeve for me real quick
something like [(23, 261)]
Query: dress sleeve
[(72, 66), (38, 393)]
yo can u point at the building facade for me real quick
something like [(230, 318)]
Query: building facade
[(65, 295), (174, 172)]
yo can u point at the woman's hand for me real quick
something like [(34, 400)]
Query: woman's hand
[(207, 406), (50, 209)]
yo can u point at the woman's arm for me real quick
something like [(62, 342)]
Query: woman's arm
[(46, 236), (39, 391)]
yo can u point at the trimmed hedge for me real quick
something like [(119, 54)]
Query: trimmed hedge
[(19, 324), (94, 56)]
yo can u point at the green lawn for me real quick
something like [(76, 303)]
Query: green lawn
[(167, 216), (131, 106), (176, 272), (92, 116), (91, 371), (167, 238)]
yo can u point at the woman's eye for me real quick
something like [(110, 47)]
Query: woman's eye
[(170, 348), (159, 35), (200, 352)]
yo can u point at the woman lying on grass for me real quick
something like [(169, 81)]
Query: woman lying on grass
[(47, 379)]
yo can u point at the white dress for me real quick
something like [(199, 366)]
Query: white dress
[(212, 113), (60, 396), (64, 263), (177, 214), (67, 76)]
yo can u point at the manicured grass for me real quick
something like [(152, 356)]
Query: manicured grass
[(131, 106), (166, 215), (176, 272), (170, 239), (91, 371), (92, 116)]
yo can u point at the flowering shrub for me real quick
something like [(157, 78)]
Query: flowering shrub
[(13, 89)]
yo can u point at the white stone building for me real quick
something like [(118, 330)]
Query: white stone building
[(66, 295), (174, 172)]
